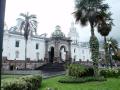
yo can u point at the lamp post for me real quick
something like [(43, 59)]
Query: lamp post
[(2, 14)]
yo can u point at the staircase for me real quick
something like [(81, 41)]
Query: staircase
[(52, 67)]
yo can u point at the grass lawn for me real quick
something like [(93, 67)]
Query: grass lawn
[(110, 84)]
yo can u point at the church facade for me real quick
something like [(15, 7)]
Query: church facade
[(57, 48)]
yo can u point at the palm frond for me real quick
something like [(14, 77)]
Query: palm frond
[(89, 6), (23, 15), (34, 26), (77, 15), (112, 43), (21, 25), (103, 7), (34, 22), (83, 21), (27, 23), (32, 17), (104, 29), (20, 19)]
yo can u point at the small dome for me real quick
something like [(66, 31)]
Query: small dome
[(57, 32)]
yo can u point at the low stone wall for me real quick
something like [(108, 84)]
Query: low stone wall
[(5, 66), (20, 65), (87, 63)]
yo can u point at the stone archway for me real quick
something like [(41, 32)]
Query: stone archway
[(61, 45)]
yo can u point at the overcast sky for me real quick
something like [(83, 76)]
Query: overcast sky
[(56, 12)]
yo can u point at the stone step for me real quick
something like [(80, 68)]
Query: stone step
[(52, 67)]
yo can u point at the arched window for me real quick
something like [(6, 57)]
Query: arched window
[(17, 43), (37, 46)]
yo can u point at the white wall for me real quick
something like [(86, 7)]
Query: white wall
[(85, 54), (9, 48), (32, 48), (75, 54), (82, 53)]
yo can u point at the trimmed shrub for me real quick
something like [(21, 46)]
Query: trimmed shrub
[(33, 81), (69, 79), (110, 73), (14, 85), (77, 70), (30, 82)]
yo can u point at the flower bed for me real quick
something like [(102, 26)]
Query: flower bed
[(110, 72)]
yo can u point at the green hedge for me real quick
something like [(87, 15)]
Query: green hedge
[(30, 82), (77, 70), (110, 72), (14, 85), (68, 79)]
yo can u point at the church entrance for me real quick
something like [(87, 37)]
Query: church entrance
[(51, 55)]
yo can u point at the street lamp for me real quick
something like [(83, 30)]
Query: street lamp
[(2, 14)]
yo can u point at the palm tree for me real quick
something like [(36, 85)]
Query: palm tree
[(27, 25), (112, 46), (90, 11), (104, 28)]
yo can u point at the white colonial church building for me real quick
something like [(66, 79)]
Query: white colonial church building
[(40, 47)]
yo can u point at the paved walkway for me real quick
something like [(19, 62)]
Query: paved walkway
[(32, 72), (52, 74)]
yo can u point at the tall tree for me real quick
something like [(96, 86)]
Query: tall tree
[(89, 11), (27, 25), (104, 28)]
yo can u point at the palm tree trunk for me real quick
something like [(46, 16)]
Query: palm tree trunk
[(94, 46), (105, 41), (106, 52), (92, 31), (110, 56), (25, 54)]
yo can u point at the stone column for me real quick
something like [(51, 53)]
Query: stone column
[(67, 57), (46, 52), (57, 51)]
